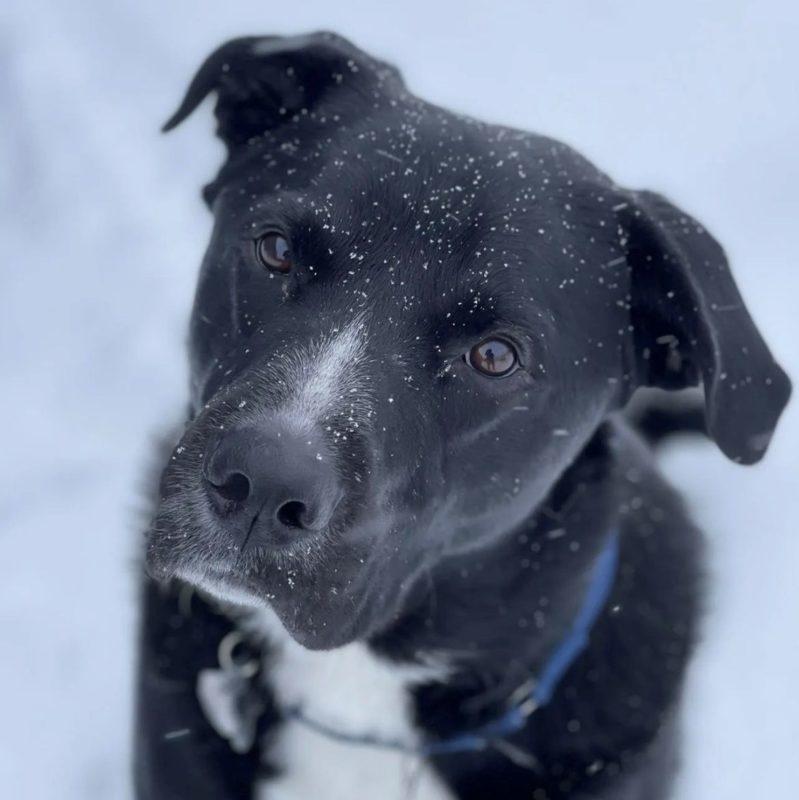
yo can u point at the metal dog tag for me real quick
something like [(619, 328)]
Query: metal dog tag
[(230, 706)]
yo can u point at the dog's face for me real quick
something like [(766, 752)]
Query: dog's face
[(407, 325)]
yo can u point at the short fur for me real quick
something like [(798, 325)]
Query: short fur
[(462, 513)]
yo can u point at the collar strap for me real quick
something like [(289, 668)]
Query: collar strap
[(529, 697)]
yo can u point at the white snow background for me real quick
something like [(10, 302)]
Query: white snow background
[(101, 234)]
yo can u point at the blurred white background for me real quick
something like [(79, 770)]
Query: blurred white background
[(102, 232)]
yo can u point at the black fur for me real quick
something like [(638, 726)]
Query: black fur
[(469, 510)]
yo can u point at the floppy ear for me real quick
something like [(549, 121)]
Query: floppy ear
[(263, 82), (690, 324)]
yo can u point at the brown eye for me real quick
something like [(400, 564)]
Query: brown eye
[(494, 357), (274, 253)]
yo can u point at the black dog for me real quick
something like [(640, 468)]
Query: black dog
[(412, 339)]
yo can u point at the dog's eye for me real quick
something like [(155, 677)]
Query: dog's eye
[(494, 357), (274, 252)]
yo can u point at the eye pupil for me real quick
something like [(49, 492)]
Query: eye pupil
[(274, 252), (494, 357)]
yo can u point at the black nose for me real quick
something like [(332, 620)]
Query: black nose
[(270, 485)]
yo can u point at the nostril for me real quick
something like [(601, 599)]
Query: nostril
[(292, 514), (235, 489)]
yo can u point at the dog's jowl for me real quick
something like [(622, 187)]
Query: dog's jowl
[(409, 543)]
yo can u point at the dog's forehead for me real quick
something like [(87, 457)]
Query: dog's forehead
[(439, 165), (431, 209)]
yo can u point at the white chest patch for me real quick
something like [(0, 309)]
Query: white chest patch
[(352, 691)]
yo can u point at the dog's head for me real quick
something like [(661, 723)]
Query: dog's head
[(408, 324)]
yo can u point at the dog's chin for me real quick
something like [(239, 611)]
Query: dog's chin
[(313, 625), (220, 587), (321, 608)]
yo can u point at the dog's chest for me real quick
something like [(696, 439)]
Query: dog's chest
[(352, 691)]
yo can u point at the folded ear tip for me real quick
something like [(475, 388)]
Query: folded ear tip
[(192, 99), (743, 430), (170, 124), (742, 451), (207, 77), (188, 105)]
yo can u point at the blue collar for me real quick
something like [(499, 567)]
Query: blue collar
[(527, 699)]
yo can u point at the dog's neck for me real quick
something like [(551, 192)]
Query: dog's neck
[(501, 610), (496, 618)]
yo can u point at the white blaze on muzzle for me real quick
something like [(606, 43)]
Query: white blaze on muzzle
[(328, 378)]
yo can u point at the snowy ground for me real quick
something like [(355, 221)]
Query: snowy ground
[(102, 231)]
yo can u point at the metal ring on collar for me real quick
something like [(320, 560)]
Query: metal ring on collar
[(225, 651)]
